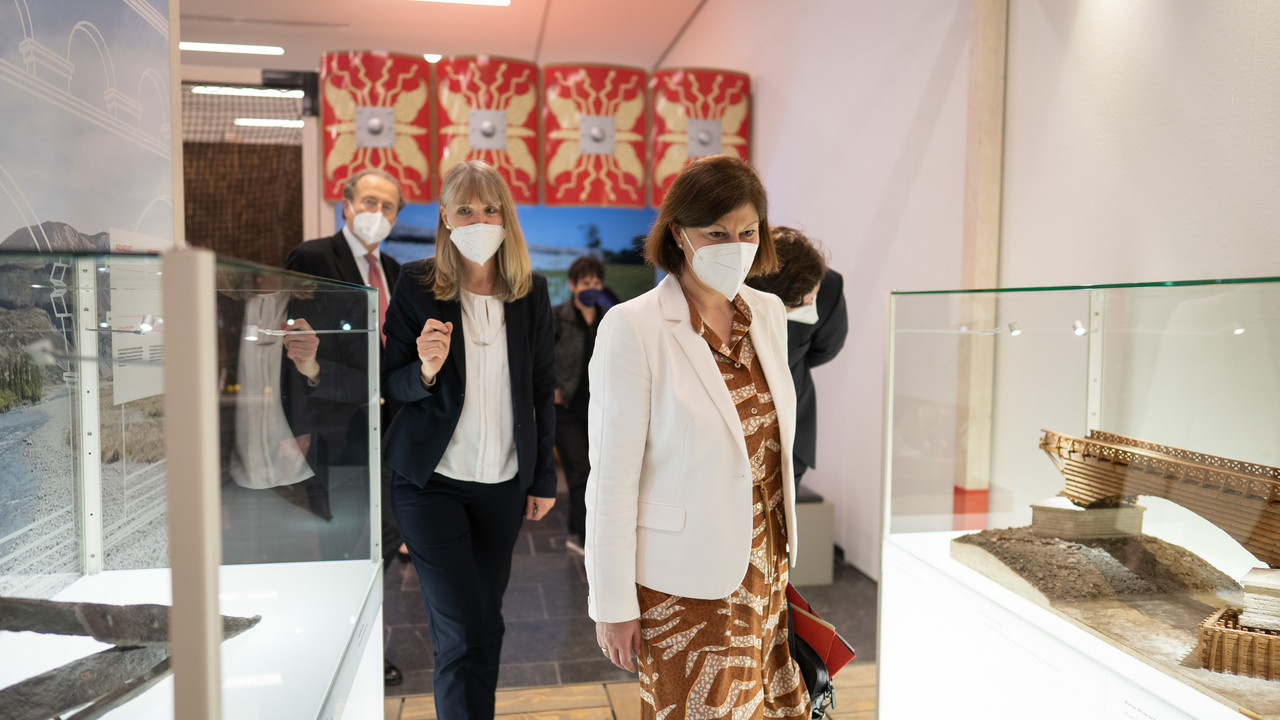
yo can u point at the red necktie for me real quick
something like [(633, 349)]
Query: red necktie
[(375, 282)]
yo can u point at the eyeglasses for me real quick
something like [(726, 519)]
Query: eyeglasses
[(372, 204)]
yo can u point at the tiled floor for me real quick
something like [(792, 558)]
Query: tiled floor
[(550, 640)]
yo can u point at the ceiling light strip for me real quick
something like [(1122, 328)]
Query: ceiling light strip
[(269, 122), (229, 48), (247, 91), (494, 3)]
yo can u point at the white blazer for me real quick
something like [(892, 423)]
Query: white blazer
[(669, 501)]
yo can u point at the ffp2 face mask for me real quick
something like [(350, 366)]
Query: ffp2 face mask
[(478, 242), (371, 227), (724, 266)]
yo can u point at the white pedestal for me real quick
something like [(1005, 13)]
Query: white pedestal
[(954, 644)]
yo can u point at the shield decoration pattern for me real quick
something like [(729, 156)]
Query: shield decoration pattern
[(696, 112), (375, 113)]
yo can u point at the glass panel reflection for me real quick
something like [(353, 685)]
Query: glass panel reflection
[(295, 430)]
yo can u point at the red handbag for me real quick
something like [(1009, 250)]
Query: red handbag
[(834, 650), (818, 651)]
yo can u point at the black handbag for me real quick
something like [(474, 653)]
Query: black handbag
[(822, 692)]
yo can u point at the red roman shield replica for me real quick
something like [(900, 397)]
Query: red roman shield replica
[(488, 110), (594, 120), (696, 113), (375, 114)]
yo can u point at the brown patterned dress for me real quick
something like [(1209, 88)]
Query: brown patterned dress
[(728, 658)]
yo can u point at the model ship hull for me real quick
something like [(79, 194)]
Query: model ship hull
[(1243, 499)]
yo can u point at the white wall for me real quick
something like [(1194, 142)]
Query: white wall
[(1142, 141), (858, 132)]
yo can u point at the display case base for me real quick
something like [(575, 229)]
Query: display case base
[(956, 644), (309, 657)]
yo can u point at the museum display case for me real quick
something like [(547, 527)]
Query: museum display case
[(85, 497), (1082, 502)]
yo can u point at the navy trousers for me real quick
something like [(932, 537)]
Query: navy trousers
[(460, 537)]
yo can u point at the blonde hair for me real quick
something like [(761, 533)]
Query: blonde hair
[(466, 180)]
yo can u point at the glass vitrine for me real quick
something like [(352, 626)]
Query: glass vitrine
[(84, 501), (1078, 482)]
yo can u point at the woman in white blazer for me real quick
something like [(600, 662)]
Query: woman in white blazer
[(690, 501)]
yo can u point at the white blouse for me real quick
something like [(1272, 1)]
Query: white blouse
[(483, 446)]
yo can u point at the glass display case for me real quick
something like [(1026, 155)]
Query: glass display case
[(85, 496), (1081, 501)]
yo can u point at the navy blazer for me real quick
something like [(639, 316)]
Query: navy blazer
[(419, 434)]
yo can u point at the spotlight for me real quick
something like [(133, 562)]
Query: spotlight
[(148, 324), (1014, 330), (251, 333), (1078, 328)]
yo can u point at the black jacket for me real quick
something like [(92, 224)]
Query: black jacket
[(809, 346), (419, 434), (571, 342), (337, 404)]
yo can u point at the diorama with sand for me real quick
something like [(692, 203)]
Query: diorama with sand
[(1085, 558)]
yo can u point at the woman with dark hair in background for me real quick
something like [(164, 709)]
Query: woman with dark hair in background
[(470, 355), (690, 504), (817, 325)]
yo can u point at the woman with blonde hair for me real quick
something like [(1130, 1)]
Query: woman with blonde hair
[(690, 505), (470, 354)]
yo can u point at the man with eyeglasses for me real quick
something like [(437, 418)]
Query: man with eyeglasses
[(371, 200)]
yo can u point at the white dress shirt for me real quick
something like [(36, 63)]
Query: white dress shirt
[(483, 446), (359, 252)]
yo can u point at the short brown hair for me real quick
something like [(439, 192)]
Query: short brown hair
[(803, 267), (706, 190), (584, 267)]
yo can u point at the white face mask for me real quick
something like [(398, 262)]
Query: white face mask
[(807, 314), (722, 266), (371, 227), (478, 242)]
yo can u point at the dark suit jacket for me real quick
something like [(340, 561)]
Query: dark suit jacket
[(337, 403), (419, 434), (331, 258), (570, 349), (809, 346)]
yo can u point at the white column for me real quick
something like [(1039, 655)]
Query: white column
[(191, 449)]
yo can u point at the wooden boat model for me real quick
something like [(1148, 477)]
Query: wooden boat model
[(1241, 498)]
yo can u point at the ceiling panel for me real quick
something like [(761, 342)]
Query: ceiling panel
[(624, 32)]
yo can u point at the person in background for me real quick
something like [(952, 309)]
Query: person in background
[(690, 504), (371, 200), (471, 357), (817, 326), (576, 321)]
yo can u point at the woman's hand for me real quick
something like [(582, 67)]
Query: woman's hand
[(536, 508), (433, 347), (619, 641)]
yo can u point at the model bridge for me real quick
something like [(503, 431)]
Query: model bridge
[(1243, 499)]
